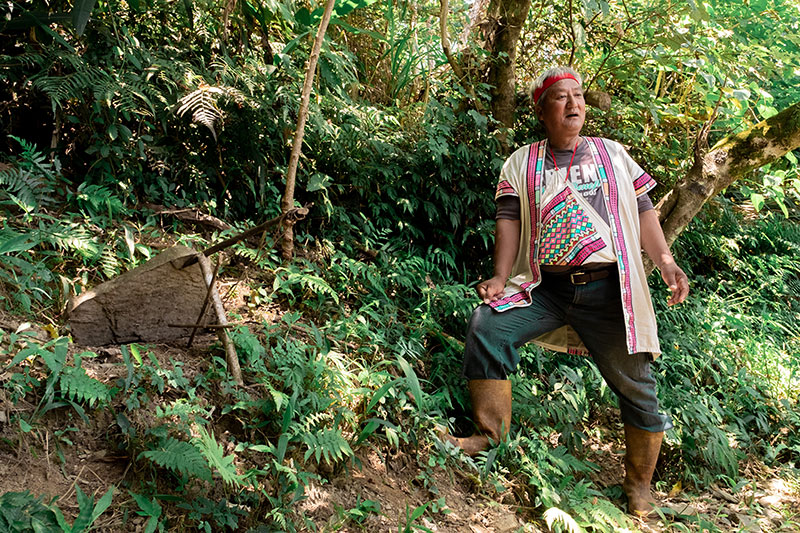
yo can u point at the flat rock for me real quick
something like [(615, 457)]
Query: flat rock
[(140, 305)]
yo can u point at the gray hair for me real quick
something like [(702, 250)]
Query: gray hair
[(555, 71)]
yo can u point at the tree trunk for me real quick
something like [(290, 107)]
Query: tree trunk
[(291, 172), (727, 161), (507, 18)]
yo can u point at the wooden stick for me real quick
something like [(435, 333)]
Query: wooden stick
[(230, 349), (211, 286), (203, 326), (296, 213)]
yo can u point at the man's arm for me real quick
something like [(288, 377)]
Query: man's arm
[(506, 245), (655, 245)]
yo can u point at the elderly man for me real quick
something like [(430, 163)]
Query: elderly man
[(572, 217)]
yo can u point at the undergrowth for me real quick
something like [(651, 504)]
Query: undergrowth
[(367, 355)]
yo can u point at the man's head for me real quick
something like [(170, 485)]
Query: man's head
[(558, 101)]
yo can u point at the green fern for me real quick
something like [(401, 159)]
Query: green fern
[(181, 457), (311, 283), (73, 86), (328, 444), (31, 178), (202, 103), (109, 262), (215, 455), (182, 409), (78, 386), (69, 237)]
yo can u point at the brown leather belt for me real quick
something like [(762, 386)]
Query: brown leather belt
[(582, 277)]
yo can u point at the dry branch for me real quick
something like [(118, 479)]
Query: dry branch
[(190, 215), (219, 309)]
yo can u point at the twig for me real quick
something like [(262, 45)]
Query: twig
[(572, 31), (230, 349), (205, 304), (47, 454), (203, 326), (459, 72), (287, 202), (72, 487)]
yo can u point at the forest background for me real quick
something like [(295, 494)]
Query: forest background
[(119, 116)]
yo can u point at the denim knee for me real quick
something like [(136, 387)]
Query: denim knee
[(484, 349)]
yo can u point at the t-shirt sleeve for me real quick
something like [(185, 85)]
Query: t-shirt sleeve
[(508, 208), (642, 181), (643, 201)]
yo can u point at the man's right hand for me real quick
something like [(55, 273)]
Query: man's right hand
[(491, 289)]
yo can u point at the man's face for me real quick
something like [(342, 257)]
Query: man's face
[(562, 109)]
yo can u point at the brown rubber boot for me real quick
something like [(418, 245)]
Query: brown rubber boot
[(491, 411), (641, 455)]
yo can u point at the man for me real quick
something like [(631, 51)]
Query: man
[(573, 216)]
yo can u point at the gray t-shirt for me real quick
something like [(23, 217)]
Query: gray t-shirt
[(584, 177)]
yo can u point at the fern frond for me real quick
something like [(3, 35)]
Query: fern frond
[(70, 238), (314, 420), (78, 386), (31, 178), (109, 262), (182, 409), (554, 515), (215, 455), (73, 86), (202, 102), (328, 444), (20, 186), (181, 457)]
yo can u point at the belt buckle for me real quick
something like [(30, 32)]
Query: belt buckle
[(579, 273)]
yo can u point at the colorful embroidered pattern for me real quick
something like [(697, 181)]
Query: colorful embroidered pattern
[(610, 188), (568, 235), (504, 188), (643, 183), (533, 177)]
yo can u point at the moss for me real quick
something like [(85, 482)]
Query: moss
[(743, 148)]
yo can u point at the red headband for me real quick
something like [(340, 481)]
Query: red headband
[(550, 81)]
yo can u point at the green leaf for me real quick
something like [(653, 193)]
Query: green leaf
[(215, 455), (318, 182), (757, 200), (103, 503), (18, 243), (135, 352), (413, 381), (81, 12), (181, 457), (24, 426), (741, 94)]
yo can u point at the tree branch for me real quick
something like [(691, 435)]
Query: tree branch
[(724, 163), (457, 70)]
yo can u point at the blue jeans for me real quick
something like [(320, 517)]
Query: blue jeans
[(594, 311)]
